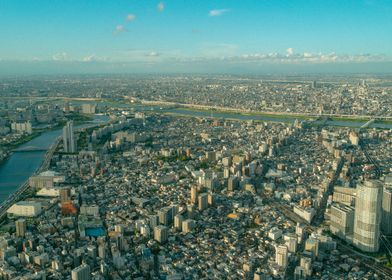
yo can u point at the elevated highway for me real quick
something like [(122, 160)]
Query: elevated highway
[(19, 194)]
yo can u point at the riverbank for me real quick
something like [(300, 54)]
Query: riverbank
[(78, 119), (261, 114), (355, 121), (9, 147), (291, 115), (16, 169), (23, 191)]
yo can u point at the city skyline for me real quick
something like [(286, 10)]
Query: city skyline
[(195, 37), (189, 139)]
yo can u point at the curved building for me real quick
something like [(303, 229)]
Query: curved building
[(368, 216)]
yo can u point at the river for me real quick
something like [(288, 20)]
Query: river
[(244, 117), (21, 165), (227, 115)]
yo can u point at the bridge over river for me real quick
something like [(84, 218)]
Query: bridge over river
[(30, 149)]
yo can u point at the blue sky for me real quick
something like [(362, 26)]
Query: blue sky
[(145, 34)]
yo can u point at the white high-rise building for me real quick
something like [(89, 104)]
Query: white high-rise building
[(161, 234), (178, 219), (281, 255), (69, 138), (291, 243), (306, 264), (81, 272), (89, 108), (20, 227), (203, 201), (368, 216), (194, 193), (22, 127)]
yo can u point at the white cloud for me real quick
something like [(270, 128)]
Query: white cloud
[(215, 13), (131, 17), (137, 55), (292, 58), (221, 53), (89, 58), (119, 29), (160, 7), (153, 54), (60, 56)]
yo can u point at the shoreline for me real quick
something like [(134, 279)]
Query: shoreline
[(224, 110), (38, 132), (351, 123), (20, 191), (278, 115)]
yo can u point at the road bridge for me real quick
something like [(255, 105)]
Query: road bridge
[(30, 149), (368, 123)]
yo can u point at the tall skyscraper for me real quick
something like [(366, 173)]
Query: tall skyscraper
[(203, 201), (210, 199), (20, 227), (165, 215), (291, 243), (386, 220), (194, 193), (161, 234), (232, 183), (69, 138), (154, 221), (368, 216), (81, 272), (306, 263), (178, 219), (281, 255)]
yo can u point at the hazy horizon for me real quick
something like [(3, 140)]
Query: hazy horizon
[(76, 68), (242, 37)]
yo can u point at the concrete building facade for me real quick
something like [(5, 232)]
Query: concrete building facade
[(368, 216)]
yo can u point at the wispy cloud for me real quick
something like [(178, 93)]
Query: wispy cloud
[(218, 12), (141, 55), (160, 7), (131, 17), (224, 54), (153, 54), (89, 58), (60, 56), (292, 58), (119, 29)]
